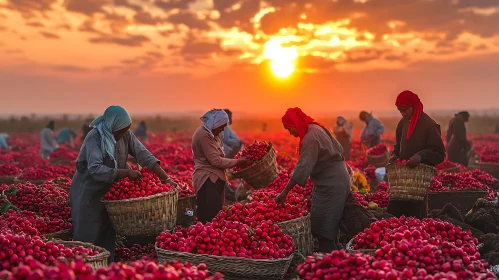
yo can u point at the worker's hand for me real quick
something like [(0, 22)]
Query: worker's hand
[(169, 182), (242, 161), (414, 161), (134, 174), (281, 198)]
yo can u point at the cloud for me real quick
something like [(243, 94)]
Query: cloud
[(88, 26), (35, 24), (188, 19), (129, 41), (241, 16), (16, 51), (196, 48), (168, 5), (315, 62), (86, 7), (29, 8), (147, 18), (49, 35), (69, 68), (127, 4)]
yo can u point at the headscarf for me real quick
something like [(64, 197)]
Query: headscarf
[(115, 118), (464, 114), (295, 118), (408, 98), (214, 119), (51, 125)]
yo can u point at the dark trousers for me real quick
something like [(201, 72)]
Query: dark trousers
[(408, 208), (210, 200)]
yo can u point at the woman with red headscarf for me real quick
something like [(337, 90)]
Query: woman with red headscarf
[(321, 159), (418, 140)]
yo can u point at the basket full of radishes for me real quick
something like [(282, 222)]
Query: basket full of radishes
[(142, 207), (262, 167), (378, 156), (409, 183)]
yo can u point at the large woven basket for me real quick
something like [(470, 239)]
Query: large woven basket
[(462, 200), (349, 248), (409, 183), (8, 179), (96, 261), (300, 230), (65, 235), (186, 210), (379, 161), (232, 267), (261, 173), (143, 216)]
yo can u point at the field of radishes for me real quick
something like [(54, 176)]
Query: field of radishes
[(35, 207)]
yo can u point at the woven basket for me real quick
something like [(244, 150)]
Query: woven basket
[(261, 173), (300, 230), (379, 161), (143, 216), (455, 169), (462, 200), (34, 182), (409, 183), (349, 248), (8, 179), (185, 207), (96, 261), (65, 235), (232, 267), (491, 168)]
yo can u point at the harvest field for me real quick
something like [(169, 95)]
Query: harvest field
[(35, 208)]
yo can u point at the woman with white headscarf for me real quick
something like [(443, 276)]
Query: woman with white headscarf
[(102, 161), (210, 164)]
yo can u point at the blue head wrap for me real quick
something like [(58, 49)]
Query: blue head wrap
[(214, 118), (115, 118)]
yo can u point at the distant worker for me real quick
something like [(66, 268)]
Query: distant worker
[(371, 136), (232, 143), (264, 127), (4, 145), (66, 135), (141, 132), (457, 142), (343, 133), (47, 140)]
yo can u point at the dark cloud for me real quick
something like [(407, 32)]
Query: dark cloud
[(129, 61), (127, 4), (189, 19), (168, 5), (65, 27), (117, 22), (49, 35), (3, 28), (129, 41), (362, 55), (481, 47), (35, 24), (88, 26), (28, 8), (147, 18), (241, 17), (195, 49), (86, 7), (69, 68)]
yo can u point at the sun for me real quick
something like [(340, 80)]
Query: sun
[(281, 58)]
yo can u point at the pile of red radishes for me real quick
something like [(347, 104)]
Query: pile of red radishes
[(446, 164), (64, 153), (146, 186), (9, 170), (231, 239), (474, 180), (401, 161), (370, 172), (77, 269), (377, 150), (26, 222), (15, 249), (46, 172), (490, 155), (135, 252), (253, 152)]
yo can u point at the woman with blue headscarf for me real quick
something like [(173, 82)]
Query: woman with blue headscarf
[(102, 161), (210, 164)]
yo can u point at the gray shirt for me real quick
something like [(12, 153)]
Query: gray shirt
[(47, 140)]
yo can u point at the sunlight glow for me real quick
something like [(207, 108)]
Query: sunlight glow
[(281, 58)]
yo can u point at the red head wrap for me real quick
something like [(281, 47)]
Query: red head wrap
[(410, 99), (295, 118)]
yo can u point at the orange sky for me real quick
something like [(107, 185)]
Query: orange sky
[(79, 56)]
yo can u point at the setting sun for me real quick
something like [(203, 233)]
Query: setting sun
[(281, 58)]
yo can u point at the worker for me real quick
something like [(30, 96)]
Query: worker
[(371, 135), (321, 159), (141, 131), (232, 143), (4, 144), (458, 145), (101, 162), (66, 135), (343, 133), (47, 139), (210, 164), (418, 140)]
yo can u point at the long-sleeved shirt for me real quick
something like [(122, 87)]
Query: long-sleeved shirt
[(456, 134), (230, 140), (47, 139), (426, 141), (3, 141), (209, 158), (373, 129), (64, 135)]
